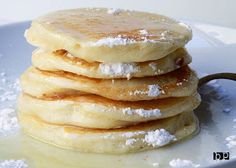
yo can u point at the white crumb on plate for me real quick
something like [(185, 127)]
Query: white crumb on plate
[(142, 112), (159, 137), (231, 141), (179, 163), (13, 164), (118, 69)]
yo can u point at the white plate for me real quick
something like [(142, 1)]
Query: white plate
[(210, 54)]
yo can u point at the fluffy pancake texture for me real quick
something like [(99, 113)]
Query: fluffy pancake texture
[(179, 83), (97, 112), (99, 35), (136, 138), (108, 81), (61, 60)]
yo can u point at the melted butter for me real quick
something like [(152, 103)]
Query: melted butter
[(40, 155), (93, 24)]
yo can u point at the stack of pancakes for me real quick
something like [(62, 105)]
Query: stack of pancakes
[(108, 81)]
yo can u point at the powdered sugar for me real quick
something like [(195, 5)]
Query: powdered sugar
[(137, 92), (231, 141), (8, 93), (178, 163), (13, 164), (159, 137), (118, 69), (153, 65), (164, 35), (112, 41), (132, 134), (155, 138), (114, 11), (142, 112), (8, 121), (130, 142), (153, 90), (143, 32), (120, 40), (10, 89)]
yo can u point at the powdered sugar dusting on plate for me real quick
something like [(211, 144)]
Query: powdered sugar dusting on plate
[(142, 112), (231, 141), (13, 164), (8, 93), (178, 163), (8, 121), (8, 89), (118, 69)]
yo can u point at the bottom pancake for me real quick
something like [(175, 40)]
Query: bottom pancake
[(136, 138)]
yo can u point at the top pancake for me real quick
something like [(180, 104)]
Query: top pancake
[(103, 35)]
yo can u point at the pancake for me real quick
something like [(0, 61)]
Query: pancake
[(98, 34), (131, 139), (93, 111), (179, 83), (62, 60)]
